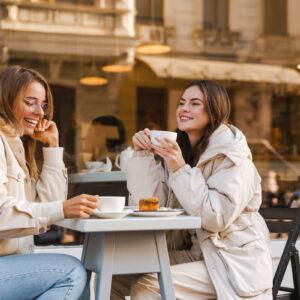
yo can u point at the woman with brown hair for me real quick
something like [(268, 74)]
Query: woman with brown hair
[(30, 201), (208, 172)]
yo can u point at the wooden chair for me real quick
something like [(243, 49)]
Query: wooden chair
[(285, 220)]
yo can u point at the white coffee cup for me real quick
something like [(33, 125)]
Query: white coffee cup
[(111, 203), (162, 134), (94, 164)]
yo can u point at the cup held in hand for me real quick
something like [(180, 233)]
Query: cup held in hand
[(111, 203), (162, 134)]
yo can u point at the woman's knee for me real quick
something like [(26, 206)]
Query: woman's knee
[(77, 270), (74, 274)]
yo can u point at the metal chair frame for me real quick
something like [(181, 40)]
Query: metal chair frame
[(285, 220)]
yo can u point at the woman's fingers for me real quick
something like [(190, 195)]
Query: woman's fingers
[(80, 206), (142, 140), (48, 124), (161, 152), (42, 124), (86, 210), (172, 144), (138, 140), (166, 144), (145, 140), (137, 144), (38, 126), (147, 132), (90, 201)]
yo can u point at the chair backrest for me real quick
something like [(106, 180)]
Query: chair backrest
[(285, 220), (280, 220)]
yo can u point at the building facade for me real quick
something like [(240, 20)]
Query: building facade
[(252, 47)]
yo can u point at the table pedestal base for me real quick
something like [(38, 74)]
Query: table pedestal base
[(133, 252)]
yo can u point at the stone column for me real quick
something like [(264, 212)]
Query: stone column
[(293, 26), (4, 56)]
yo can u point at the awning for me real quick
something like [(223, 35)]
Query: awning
[(188, 68)]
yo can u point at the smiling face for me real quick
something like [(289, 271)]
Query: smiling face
[(28, 106), (191, 114)]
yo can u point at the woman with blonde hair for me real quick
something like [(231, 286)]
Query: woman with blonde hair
[(208, 172), (29, 200)]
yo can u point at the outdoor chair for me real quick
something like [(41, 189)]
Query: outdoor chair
[(293, 201), (285, 220)]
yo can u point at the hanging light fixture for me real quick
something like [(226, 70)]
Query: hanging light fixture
[(123, 64), (117, 68), (298, 67), (92, 78), (93, 81), (153, 49), (155, 46)]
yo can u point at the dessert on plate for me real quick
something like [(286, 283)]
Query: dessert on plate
[(148, 204)]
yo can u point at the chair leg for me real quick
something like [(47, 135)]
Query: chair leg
[(280, 272), (295, 270)]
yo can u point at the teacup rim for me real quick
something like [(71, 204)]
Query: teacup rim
[(163, 131), (111, 197)]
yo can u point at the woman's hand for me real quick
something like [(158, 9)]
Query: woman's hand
[(141, 140), (80, 206), (170, 152), (46, 132)]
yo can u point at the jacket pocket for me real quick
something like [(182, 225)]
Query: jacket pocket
[(249, 266), (9, 246), (15, 172), (15, 180)]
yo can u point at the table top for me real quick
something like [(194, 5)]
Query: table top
[(131, 223), (97, 177)]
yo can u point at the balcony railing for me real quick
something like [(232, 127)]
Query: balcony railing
[(217, 41), (106, 18)]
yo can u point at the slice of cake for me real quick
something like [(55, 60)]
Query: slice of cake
[(148, 204)]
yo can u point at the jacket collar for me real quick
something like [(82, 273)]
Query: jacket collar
[(229, 141), (7, 129)]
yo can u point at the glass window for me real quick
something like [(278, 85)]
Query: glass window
[(275, 13), (215, 14), (149, 12), (77, 2)]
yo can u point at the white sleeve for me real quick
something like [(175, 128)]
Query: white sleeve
[(145, 178), (52, 184), (220, 199), (19, 216)]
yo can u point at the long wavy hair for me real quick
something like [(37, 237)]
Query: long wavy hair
[(14, 80), (217, 106)]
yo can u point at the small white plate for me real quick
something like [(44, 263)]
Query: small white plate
[(158, 213), (112, 214)]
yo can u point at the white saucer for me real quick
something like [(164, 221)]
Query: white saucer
[(112, 214), (158, 213)]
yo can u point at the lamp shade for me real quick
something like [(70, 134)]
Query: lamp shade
[(93, 81), (117, 68), (153, 49)]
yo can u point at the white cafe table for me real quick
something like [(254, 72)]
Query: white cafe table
[(131, 245)]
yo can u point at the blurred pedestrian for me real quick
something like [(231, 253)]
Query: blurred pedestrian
[(272, 195)]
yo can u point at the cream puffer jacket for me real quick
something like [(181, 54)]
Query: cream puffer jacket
[(224, 190), (27, 206)]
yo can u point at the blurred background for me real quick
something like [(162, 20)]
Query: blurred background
[(118, 66)]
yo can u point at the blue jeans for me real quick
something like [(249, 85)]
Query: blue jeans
[(41, 276)]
